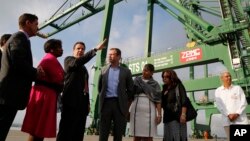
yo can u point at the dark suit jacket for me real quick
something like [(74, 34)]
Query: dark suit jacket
[(125, 88), (0, 58), (17, 72), (75, 76)]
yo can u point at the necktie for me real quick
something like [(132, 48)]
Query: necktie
[(86, 86)]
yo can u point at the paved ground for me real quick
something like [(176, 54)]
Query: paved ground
[(20, 136), (15, 135)]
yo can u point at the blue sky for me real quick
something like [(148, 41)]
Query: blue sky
[(128, 29), (127, 32)]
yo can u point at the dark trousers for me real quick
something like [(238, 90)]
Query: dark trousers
[(111, 112), (72, 124), (7, 116)]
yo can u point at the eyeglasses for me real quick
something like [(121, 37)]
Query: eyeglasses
[(165, 76)]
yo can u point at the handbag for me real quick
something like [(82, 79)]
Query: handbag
[(191, 112), (59, 104)]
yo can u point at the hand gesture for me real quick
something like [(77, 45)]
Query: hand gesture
[(40, 72), (158, 119), (101, 45), (233, 117)]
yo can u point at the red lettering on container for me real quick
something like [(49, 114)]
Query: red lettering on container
[(191, 55)]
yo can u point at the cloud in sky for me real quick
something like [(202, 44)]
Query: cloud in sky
[(11, 10), (88, 30), (130, 37), (128, 30)]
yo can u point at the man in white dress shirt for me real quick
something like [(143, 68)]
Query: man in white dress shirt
[(230, 100)]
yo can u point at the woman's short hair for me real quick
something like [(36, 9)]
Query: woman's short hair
[(4, 39), (150, 67), (52, 44)]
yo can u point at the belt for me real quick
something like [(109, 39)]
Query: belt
[(111, 98)]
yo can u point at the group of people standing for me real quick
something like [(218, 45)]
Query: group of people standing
[(50, 80), (121, 98)]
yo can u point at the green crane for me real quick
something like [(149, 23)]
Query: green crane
[(226, 42)]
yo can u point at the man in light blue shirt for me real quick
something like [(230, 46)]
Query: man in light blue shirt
[(113, 81), (115, 95)]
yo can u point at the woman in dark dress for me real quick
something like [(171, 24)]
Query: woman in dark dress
[(174, 117)]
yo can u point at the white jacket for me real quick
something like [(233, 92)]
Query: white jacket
[(229, 101)]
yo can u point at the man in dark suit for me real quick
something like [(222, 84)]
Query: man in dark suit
[(17, 72), (115, 94), (75, 97)]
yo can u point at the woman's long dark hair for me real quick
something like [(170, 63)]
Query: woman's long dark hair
[(172, 76)]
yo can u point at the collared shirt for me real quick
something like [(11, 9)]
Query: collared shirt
[(231, 100), (113, 81), (25, 34)]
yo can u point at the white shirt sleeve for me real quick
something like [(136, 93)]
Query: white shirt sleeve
[(219, 103), (242, 102)]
